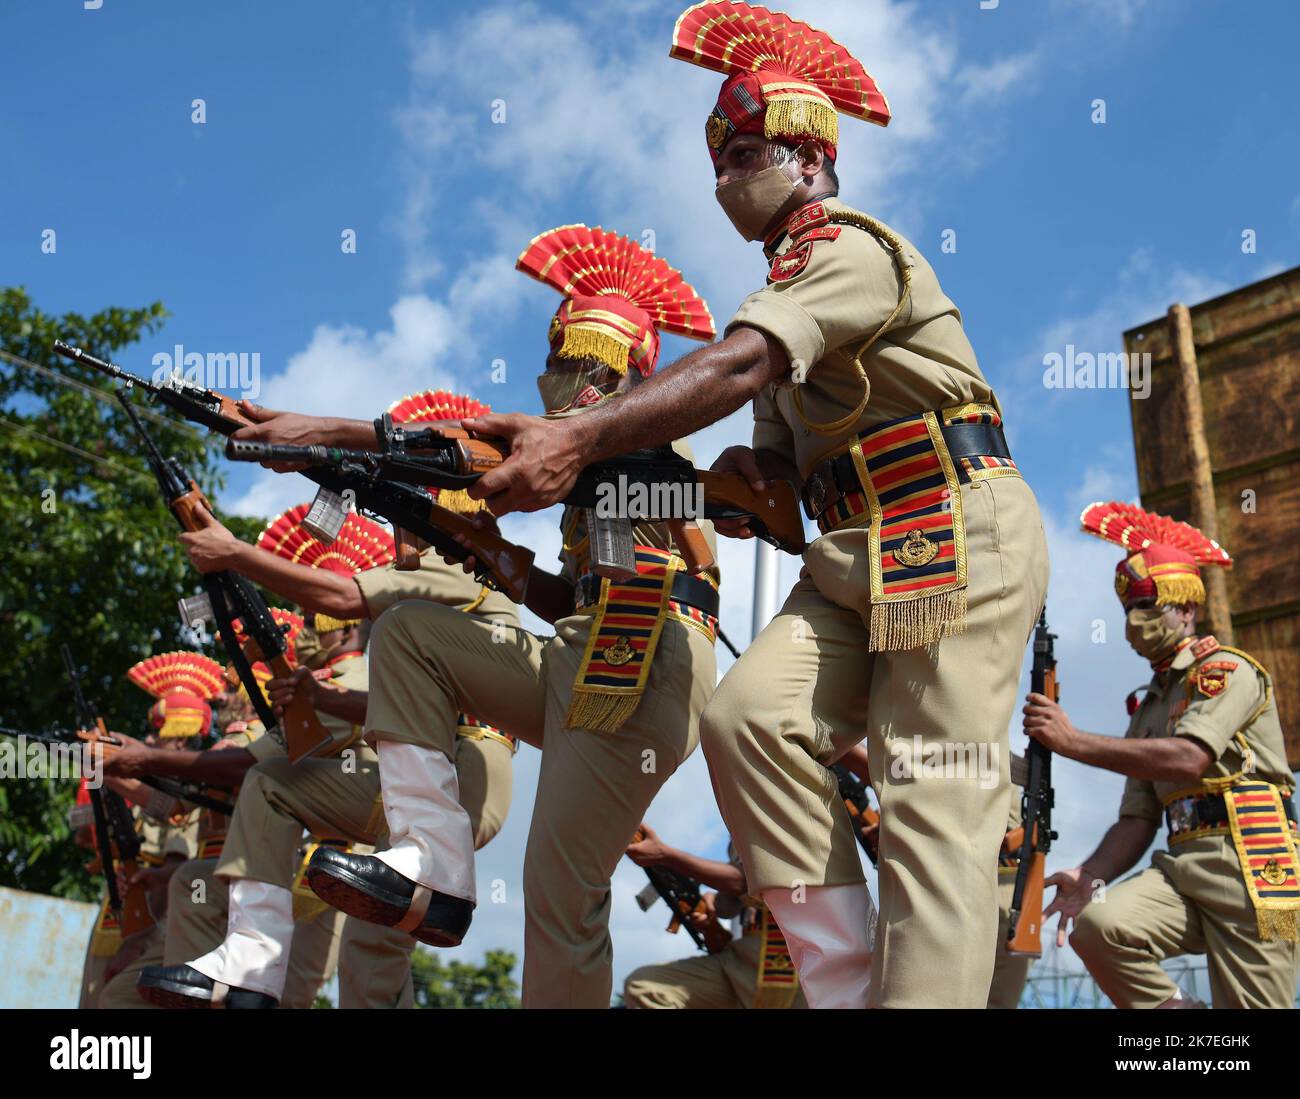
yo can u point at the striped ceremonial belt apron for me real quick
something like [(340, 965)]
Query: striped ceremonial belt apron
[(902, 480), (629, 619)]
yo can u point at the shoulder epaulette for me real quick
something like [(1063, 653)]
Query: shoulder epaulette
[(1248, 659)]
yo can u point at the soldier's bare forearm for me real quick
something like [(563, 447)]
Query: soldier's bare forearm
[(1124, 843), (694, 392), (312, 589), (721, 876), (226, 767), (1162, 759)]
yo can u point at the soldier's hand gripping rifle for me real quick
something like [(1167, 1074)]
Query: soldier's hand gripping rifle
[(116, 840), (499, 563), (682, 896), (231, 597), (1024, 935), (654, 484), (854, 792)]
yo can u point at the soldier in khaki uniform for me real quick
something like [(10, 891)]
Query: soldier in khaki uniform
[(108, 978), (199, 901), (615, 695), (196, 900), (1204, 749), (331, 797), (183, 685), (912, 612), (751, 971)]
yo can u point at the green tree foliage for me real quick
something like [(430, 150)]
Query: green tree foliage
[(90, 557), (456, 984)]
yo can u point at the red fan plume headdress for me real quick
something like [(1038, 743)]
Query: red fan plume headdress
[(1164, 554), (785, 79), (361, 544), (182, 683), (618, 295)]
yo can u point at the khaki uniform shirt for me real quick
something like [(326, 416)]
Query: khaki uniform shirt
[(1176, 705), (434, 580), (159, 839), (848, 287)]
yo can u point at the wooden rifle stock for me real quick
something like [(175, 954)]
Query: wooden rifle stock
[(691, 544), (136, 916), (1025, 936), (408, 549), (510, 564), (776, 507), (304, 735), (473, 454)]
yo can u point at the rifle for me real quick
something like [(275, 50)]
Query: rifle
[(232, 596), (658, 481), (114, 826), (682, 895), (1024, 933), (854, 792), (180, 789), (498, 563)]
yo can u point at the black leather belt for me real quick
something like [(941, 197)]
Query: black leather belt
[(834, 478), (1199, 811), (687, 589)]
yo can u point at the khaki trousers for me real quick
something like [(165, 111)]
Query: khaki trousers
[(339, 799), (92, 977), (198, 908), (728, 979), (432, 662), (1194, 902), (1010, 971), (807, 689)]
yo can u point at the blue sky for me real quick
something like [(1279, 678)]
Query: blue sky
[(376, 117)]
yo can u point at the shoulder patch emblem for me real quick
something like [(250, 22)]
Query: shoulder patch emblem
[(786, 266), (1134, 701), (822, 232), (1212, 679)]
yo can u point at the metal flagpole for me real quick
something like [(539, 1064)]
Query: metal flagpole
[(767, 583)]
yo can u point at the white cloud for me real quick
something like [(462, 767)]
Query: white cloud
[(981, 83)]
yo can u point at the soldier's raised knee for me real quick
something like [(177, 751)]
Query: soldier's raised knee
[(1092, 930)]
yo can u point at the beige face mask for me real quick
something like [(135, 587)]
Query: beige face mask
[(560, 389), (1149, 632), (752, 203)]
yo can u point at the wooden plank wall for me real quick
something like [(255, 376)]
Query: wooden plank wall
[(1248, 355)]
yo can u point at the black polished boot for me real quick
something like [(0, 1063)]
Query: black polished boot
[(182, 986), (369, 889)]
